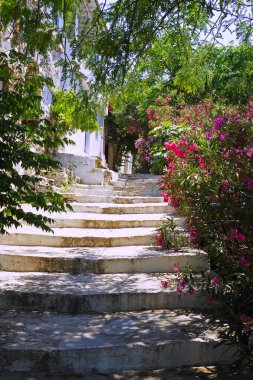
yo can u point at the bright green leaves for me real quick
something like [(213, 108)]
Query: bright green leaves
[(74, 110), (23, 131)]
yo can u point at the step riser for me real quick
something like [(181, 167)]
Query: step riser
[(99, 303), (88, 192), (100, 266), (56, 241), (157, 209), (65, 223), (114, 193), (116, 200), (115, 359), (143, 193), (111, 224)]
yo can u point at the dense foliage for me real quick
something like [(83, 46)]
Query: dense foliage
[(24, 132), (132, 27), (208, 178), (224, 74), (29, 32)]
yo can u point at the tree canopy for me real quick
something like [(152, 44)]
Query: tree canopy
[(149, 46), (29, 33), (123, 32)]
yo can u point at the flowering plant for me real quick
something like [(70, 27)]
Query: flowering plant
[(169, 235), (208, 178), (183, 279)]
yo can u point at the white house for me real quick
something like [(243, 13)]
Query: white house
[(86, 158)]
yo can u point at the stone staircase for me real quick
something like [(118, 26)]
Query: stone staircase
[(87, 299)]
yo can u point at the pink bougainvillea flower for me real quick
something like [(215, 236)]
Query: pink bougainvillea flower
[(193, 235), (182, 283), (171, 146), (176, 268), (160, 240), (150, 114), (234, 233), (191, 291), (219, 122), (174, 202), (165, 198), (250, 184), (214, 281), (165, 284), (222, 137), (209, 135), (201, 161), (245, 262), (225, 186), (183, 142), (245, 318), (179, 153), (192, 147), (164, 195), (179, 290)]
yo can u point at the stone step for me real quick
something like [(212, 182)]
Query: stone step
[(87, 192), (137, 176), (121, 189), (108, 343), (131, 259), (112, 199), (140, 193), (67, 293), (86, 220), (90, 189), (133, 183), (108, 208), (124, 191), (79, 237)]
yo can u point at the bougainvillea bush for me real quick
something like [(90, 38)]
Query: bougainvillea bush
[(207, 153)]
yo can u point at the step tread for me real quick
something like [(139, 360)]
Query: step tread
[(130, 208), (85, 284), (89, 331), (110, 217), (90, 253), (130, 259), (106, 233), (99, 293), (108, 342), (119, 197), (131, 205)]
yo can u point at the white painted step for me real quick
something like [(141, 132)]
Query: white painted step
[(113, 199), (137, 181), (132, 259), (79, 237), (146, 176), (86, 220), (67, 293), (107, 343), (108, 208)]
